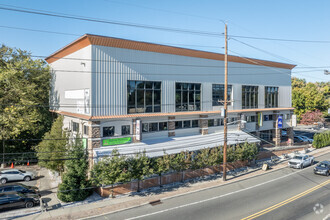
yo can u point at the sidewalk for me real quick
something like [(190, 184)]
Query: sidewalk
[(106, 205)]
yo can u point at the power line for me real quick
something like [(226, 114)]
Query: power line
[(280, 39), (112, 22)]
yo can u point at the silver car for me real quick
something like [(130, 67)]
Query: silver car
[(14, 175)]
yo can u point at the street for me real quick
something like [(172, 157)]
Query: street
[(282, 194)]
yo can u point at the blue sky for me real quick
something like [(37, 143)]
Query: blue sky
[(300, 20)]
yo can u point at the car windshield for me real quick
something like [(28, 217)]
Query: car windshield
[(22, 171), (323, 165), (298, 157)]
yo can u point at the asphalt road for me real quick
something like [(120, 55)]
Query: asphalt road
[(281, 194)]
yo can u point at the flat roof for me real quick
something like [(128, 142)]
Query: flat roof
[(174, 145), (91, 39)]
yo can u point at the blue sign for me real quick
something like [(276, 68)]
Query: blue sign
[(280, 121)]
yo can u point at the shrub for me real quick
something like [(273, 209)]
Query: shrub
[(321, 140)]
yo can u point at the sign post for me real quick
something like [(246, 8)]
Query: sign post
[(280, 121)]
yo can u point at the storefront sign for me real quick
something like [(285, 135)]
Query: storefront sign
[(116, 141), (138, 130), (260, 119), (280, 121)]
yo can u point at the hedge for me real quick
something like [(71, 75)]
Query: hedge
[(321, 140)]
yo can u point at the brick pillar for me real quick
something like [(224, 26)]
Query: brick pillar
[(171, 126), (277, 138), (137, 137), (289, 132), (94, 141), (203, 124)]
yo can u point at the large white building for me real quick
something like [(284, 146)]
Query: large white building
[(134, 95)]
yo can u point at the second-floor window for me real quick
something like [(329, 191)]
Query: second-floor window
[(271, 97), (188, 97), (75, 126), (143, 96), (218, 94), (249, 97)]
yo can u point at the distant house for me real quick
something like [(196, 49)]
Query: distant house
[(135, 96)]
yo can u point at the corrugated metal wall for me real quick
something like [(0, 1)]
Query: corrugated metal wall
[(112, 67)]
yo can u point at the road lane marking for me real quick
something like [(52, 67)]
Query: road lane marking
[(216, 197), (278, 205)]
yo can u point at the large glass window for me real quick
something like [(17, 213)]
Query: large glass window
[(218, 94), (75, 126), (188, 97), (108, 131), (271, 97), (143, 96), (125, 130), (249, 97)]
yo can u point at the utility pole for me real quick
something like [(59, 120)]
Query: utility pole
[(225, 116)]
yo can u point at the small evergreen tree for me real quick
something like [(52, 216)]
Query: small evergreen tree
[(52, 149), (161, 165), (75, 186), (139, 167)]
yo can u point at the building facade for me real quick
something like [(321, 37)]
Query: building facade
[(115, 91)]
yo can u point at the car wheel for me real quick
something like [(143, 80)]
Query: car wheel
[(27, 178), (3, 181), (29, 204)]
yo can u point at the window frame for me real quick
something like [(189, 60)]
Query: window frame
[(124, 130), (113, 131), (220, 94), (138, 96), (271, 96), (250, 96), (188, 97)]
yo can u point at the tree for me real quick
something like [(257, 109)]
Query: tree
[(309, 96), (24, 97), (110, 170), (75, 186), (161, 165), (202, 159), (53, 148), (180, 162), (311, 117), (139, 167)]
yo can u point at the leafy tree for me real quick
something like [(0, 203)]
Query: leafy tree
[(311, 117), (139, 167), (24, 97), (180, 162), (202, 159), (309, 96), (75, 186), (250, 151), (52, 149), (110, 170), (161, 165)]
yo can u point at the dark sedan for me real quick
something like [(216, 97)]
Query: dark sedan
[(323, 168), (10, 201), (19, 188)]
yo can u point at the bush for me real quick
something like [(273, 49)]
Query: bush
[(321, 140)]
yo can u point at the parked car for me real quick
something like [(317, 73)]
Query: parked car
[(301, 161), (307, 139), (19, 188), (298, 139), (323, 168), (9, 201), (14, 175)]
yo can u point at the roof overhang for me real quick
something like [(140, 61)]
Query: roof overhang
[(146, 115), (89, 39)]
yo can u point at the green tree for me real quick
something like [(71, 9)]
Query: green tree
[(180, 162), (161, 165), (139, 167), (75, 186), (52, 149), (110, 170), (24, 98), (202, 159)]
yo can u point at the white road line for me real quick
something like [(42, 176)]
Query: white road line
[(216, 197)]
